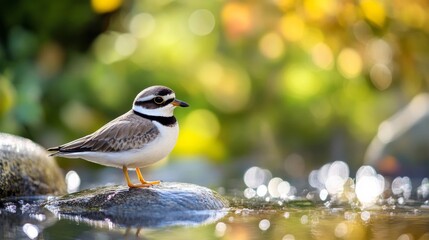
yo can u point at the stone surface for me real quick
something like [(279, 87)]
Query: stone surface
[(166, 204), (27, 170)]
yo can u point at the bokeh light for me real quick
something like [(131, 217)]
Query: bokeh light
[(264, 224), (249, 193), (379, 51), (322, 56), (226, 86), (330, 178), (32, 231), (105, 6), (292, 27), (381, 76), (261, 184), (271, 45), (365, 216), (262, 190), (284, 188), (273, 186), (423, 189), (367, 176), (341, 230), (338, 173), (349, 63), (220, 229), (125, 44), (300, 83), (237, 19), (374, 11), (333, 180), (402, 186), (111, 47), (199, 135), (142, 25), (72, 181), (256, 176), (201, 22), (304, 219)]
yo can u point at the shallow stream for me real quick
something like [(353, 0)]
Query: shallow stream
[(255, 219), (334, 206)]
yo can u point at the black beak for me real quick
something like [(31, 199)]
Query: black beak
[(179, 103)]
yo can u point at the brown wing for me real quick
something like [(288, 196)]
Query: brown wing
[(124, 133)]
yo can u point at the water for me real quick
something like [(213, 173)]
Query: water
[(334, 206), (255, 219)]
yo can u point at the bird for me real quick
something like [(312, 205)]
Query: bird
[(140, 137)]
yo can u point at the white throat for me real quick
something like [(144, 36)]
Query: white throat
[(166, 111)]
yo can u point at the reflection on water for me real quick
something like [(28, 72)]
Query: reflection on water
[(267, 224), (309, 224), (409, 221), (332, 184), (335, 206)]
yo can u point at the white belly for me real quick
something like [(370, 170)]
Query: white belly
[(149, 154)]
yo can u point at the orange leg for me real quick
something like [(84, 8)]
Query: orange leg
[(139, 174), (131, 185)]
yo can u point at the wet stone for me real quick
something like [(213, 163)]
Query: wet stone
[(166, 204), (27, 170)]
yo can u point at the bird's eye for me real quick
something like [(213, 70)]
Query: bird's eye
[(158, 100)]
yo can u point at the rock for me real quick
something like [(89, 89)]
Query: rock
[(401, 146), (27, 170), (166, 204)]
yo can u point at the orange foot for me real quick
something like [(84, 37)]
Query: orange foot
[(130, 184), (140, 176)]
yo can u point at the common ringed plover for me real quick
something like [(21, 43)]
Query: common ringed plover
[(142, 136)]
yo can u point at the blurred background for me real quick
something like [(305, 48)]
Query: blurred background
[(285, 85)]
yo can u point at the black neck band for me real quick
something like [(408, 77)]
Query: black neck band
[(166, 121)]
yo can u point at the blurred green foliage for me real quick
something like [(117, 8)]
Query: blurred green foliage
[(264, 78)]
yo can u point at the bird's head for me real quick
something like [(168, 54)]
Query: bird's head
[(157, 101)]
